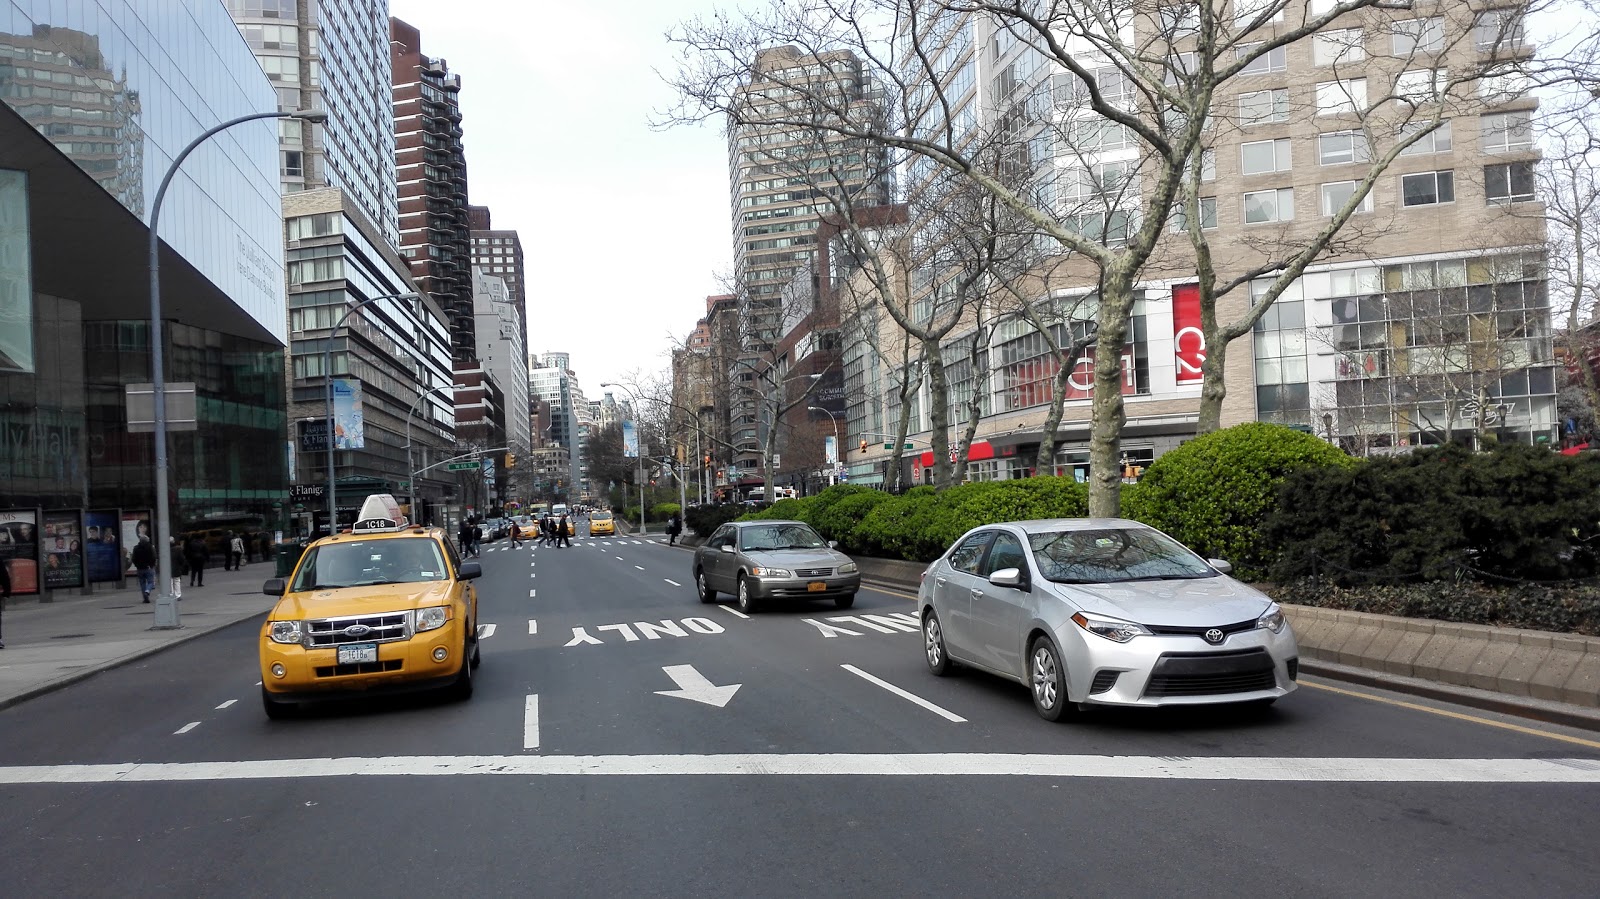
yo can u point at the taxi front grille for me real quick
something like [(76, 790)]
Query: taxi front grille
[(383, 628), (360, 668)]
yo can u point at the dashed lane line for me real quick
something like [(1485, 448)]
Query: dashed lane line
[(732, 610), (533, 625), (906, 695), (672, 582), (226, 704), (640, 567), (530, 722), (186, 728)]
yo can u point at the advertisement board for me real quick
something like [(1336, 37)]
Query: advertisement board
[(349, 427), (19, 549), (630, 441), (63, 549), (313, 435), (135, 524), (1188, 341), (102, 545)]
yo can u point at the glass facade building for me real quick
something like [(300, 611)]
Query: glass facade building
[(98, 97)]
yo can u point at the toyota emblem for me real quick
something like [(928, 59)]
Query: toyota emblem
[(361, 630), (1214, 635)]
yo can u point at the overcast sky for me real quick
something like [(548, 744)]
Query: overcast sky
[(625, 228)]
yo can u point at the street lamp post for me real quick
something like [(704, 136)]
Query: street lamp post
[(327, 376), (411, 475), (833, 473), (166, 611)]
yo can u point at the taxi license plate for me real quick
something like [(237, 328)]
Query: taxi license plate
[(816, 586), (356, 653)]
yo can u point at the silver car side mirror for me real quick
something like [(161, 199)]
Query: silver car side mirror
[(727, 548), (1220, 565), (833, 544), (1009, 577)]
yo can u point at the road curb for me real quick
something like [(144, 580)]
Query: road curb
[(1561, 714), (75, 677)]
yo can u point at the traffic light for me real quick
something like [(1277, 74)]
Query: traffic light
[(708, 460), (511, 460), (863, 445)]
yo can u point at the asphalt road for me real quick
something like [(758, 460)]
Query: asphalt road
[(570, 773)]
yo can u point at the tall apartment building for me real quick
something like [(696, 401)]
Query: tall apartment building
[(503, 354), (333, 57), (1430, 321), (499, 253), (432, 172), (551, 379)]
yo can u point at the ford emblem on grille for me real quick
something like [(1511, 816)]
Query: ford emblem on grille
[(361, 630), (1214, 635)]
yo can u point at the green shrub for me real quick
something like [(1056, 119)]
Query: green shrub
[(702, 520), (1213, 493), (883, 532), (784, 509), (839, 520), (1572, 608), (1517, 512), (922, 524)]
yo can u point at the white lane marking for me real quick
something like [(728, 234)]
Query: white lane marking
[(532, 593), (695, 686), (672, 582), (829, 630), (912, 697), (258, 683), (530, 722), (485, 631), (640, 567), (733, 610), (533, 625), (186, 728), (934, 764), (228, 703), (619, 558)]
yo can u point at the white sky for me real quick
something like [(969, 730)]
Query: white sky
[(625, 228)]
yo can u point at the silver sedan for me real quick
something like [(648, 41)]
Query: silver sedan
[(1103, 612), (758, 561)]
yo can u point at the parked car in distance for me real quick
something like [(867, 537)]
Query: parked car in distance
[(759, 561), (1102, 611)]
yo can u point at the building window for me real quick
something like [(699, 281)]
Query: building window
[(1257, 157), (1335, 97), (1419, 86), (1439, 140), (1498, 30), (1337, 193), (1506, 132), (1274, 60), (1208, 164), (1246, 11), (1427, 189), (1342, 148), (1283, 394), (294, 164), (1264, 107), (1418, 36), (1208, 216), (1508, 182), (1269, 206), (1338, 47)]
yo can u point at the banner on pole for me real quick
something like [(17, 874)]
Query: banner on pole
[(349, 428), (830, 449), (630, 441)]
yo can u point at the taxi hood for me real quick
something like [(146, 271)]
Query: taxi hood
[(368, 600)]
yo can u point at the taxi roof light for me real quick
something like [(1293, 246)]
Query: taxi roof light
[(380, 514)]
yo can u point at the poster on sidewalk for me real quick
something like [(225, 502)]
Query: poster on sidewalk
[(135, 524), (101, 553), (19, 550), (63, 549)]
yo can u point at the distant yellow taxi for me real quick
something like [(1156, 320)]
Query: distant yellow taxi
[(386, 607), (527, 528), (601, 524)]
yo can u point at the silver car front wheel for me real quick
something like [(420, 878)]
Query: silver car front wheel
[(1046, 680), (933, 642)]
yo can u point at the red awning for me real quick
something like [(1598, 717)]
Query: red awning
[(1574, 450), (980, 450)]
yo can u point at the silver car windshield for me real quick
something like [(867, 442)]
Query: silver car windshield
[(1110, 555), (763, 538), (366, 563)]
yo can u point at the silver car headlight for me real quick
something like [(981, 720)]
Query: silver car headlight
[(1114, 629), (758, 571), (285, 632), (849, 568), (1272, 619), (432, 618)]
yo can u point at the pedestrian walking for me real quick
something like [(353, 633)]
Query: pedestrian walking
[(144, 563), (197, 555), (180, 567), (547, 531), (5, 594), (562, 538), (236, 547), (477, 538), (674, 528), (465, 537), (516, 535)]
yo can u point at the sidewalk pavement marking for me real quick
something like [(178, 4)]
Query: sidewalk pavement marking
[(1459, 716), (186, 728)]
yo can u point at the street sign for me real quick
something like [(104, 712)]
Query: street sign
[(470, 465), (890, 445)]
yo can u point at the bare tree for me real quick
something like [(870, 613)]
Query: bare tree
[(1570, 190)]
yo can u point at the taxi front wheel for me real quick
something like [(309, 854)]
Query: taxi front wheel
[(461, 687), (277, 711)]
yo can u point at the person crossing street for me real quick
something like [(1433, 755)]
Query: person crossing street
[(562, 539)]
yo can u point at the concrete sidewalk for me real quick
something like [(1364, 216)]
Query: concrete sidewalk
[(50, 645)]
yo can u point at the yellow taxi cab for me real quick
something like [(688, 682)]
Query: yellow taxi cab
[(527, 528), (601, 524), (384, 607)]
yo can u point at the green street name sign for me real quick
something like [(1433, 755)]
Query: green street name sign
[(461, 466), (890, 445)]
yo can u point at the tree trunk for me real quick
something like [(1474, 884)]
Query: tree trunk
[(938, 413), (1109, 413), (1046, 460), (767, 464), (901, 430), (1213, 384)]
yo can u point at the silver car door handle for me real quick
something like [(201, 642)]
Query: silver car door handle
[(976, 592), (940, 580)]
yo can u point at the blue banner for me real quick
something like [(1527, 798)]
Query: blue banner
[(349, 428), (100, 546), (630, 441)]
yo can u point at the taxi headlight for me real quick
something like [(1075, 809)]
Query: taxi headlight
[(758, 571), (849, 568), (432, 618), (285, 632), (1272, 619)]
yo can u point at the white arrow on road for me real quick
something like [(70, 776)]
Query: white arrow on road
[(693, 685)]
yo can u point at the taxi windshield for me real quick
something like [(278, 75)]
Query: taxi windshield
[(600, 516), (367, 563)]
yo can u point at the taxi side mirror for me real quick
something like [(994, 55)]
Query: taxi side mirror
[(470, 571), (274, 587)]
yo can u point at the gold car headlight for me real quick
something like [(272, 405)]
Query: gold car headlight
[(432, 618)]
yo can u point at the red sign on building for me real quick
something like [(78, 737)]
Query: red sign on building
[(1188, 342)]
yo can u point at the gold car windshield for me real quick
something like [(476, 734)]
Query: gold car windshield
[(367, 563)]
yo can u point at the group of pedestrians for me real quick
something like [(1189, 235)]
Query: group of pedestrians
[(471, 538), (554, 532)]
